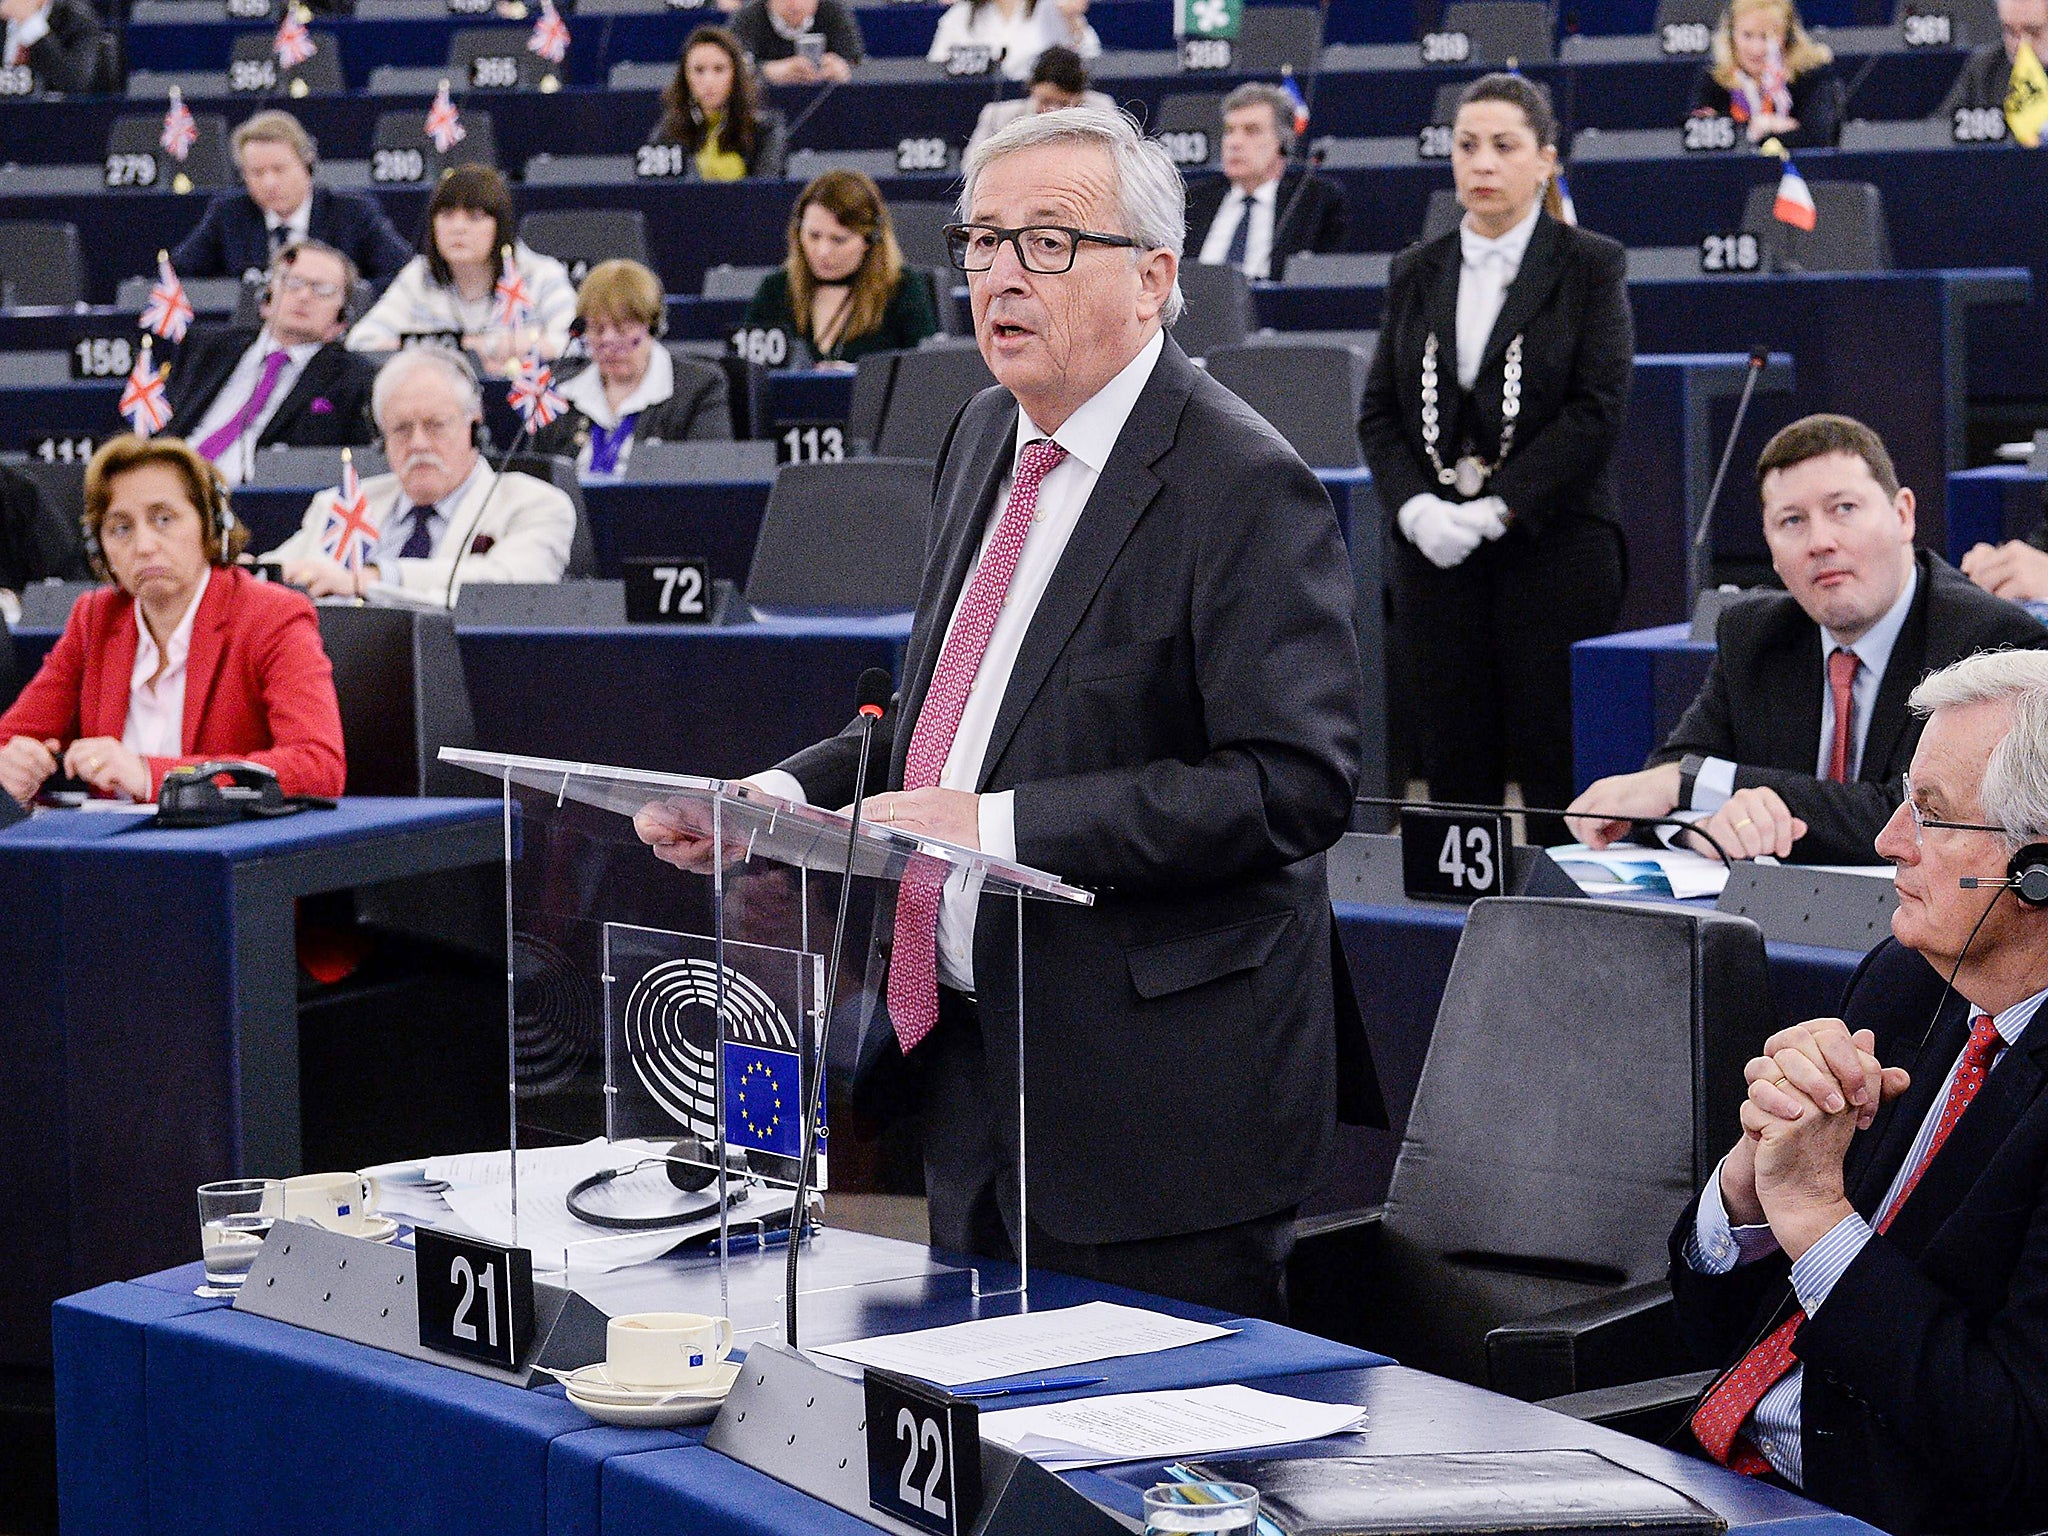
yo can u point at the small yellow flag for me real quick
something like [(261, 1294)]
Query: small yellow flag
[(2026, 99)]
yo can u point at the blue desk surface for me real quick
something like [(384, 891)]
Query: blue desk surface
[(124, 835)]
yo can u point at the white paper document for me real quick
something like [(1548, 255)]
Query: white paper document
[(1154, 1426), (1035, 1341), (1655, 871)]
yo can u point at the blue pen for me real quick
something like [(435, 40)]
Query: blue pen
[(1183, 1474), (747, 1242), (1042, 1384)]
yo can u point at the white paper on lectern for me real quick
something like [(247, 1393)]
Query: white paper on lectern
[(1158, 1426), (994, 1347)]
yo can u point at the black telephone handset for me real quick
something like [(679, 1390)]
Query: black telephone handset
[(213, 794)]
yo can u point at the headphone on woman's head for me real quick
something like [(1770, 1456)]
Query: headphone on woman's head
[(215, 515)]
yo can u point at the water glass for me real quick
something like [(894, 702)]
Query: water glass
[(1180, 1507), (234, 1215)]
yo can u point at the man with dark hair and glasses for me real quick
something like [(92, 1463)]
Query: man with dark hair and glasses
[(1796, 743), (1133, 664), (289, 382), (1869, 1260)]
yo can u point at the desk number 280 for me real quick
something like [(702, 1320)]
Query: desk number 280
[(1467, 857), (925, 1433)]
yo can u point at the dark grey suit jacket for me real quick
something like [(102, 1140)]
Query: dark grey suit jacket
[(1985, 78), (1182, 732), (1760, 704)]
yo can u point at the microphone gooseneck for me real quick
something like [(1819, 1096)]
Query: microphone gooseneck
[(873, 694), (1759, 359)]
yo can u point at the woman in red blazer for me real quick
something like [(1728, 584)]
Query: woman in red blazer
[(186, 657)]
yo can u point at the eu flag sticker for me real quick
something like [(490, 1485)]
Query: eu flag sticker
[(765, 1110)]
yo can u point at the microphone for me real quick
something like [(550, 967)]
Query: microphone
[(1314, 164), (872, 696), (575, 350), (817, 101), (1759, 358), (1539, 810)]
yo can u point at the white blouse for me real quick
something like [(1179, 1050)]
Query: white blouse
[(1019, 39), (156, 710), (415, 302)]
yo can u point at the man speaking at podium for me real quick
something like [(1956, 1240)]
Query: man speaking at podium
[(1133, 665)]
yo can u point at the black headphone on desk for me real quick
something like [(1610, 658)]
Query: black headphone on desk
[(689, 1168)]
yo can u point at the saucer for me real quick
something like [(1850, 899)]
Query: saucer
[(634, 1408)]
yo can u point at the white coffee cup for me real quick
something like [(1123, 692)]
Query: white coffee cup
[(340, 1202), (668, 1350)]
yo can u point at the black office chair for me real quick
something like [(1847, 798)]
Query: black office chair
[(526, 71), (928, 388), (561, 474), (1190, 123), (1582, 1081), (408, 130), (1272, 36), (727, 281), (1975, 21), (580, 238), (1443, 111), (1310, 393), (40, 263), (319, 75), (1849, 233), (920, 232), (1219, 308), (1442, 215), (205, 168), (1524, 31), (842, 537), (1690, 13), (398, 678), (62, 488)]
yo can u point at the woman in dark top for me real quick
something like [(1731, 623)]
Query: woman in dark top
[(1494, 402), (843, 290), (712, 108), (1771, 77)]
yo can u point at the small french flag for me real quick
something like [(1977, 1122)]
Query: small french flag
[(1794, 203)]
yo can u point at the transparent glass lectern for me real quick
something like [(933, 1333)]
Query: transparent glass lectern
[(666, 1024)]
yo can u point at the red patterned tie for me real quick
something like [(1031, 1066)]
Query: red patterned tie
[(914, 962), (1716, 1422), (1842, 667)]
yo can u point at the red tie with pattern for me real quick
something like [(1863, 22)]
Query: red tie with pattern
[(1717, 1421), (914, 961), (1842, 667)]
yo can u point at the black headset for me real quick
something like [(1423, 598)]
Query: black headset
[(216, 514), (289, 256), (689, 1170), (2026, 876)]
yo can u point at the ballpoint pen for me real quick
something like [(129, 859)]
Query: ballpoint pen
[(1042, 1384), (1185, 1474)]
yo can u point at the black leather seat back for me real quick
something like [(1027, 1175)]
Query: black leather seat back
[(1582, 1080)]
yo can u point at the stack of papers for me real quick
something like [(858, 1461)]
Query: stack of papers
[(1654, 871), (994, 1347), (1162, 1426)]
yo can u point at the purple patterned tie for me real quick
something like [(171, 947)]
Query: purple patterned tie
[(914, 962), (222, 438)]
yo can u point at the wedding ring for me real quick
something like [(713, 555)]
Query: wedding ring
[(892, 815), (1745, 822)]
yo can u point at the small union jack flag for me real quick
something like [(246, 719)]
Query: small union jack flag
[(533, 394), (348, 535), (168, 313), (180, 131), (294, 43), (550, 34), (514, 298), (444, 123), (142, 400)]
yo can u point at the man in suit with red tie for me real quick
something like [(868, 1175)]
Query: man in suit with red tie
[(1133, 664), (1872, 1256)]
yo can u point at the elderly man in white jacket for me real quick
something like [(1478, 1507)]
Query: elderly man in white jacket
[(442, 505)]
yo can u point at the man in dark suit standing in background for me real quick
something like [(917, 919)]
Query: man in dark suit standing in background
[(1262, 212), (1132, 664), (1987, 73), (289, 382), (1798, 741), (279, 204), (1869, 1258)]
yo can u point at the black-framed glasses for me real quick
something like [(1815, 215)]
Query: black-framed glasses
[(1046, 249), (1922, 822)]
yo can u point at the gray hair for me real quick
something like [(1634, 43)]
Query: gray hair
[(1151, 199), (1256, 93), (2015, 785), (451, 365)]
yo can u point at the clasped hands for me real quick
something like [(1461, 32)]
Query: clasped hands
[(1448, 531), (679, 831), (101, 761), (1813, 1088)]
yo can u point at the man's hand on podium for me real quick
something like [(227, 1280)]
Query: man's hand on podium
[(679, 832), (950, 815)]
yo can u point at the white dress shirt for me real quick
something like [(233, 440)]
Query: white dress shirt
[(1716, 1247), (1018, 40), (234, 464), (1715, 781), (1258, 240), (415, 304), (1488, 271), (295, 225), (1089, 436), (156, 710), (24, 35)]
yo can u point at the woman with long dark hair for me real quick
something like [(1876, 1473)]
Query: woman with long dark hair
[(712, 108), (1495, 400), (843, 290)]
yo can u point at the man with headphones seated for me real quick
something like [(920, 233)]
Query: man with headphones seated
[(1870, 1261), (289, 381), (443, 516)]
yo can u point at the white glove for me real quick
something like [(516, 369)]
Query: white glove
[(1445, 531)]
